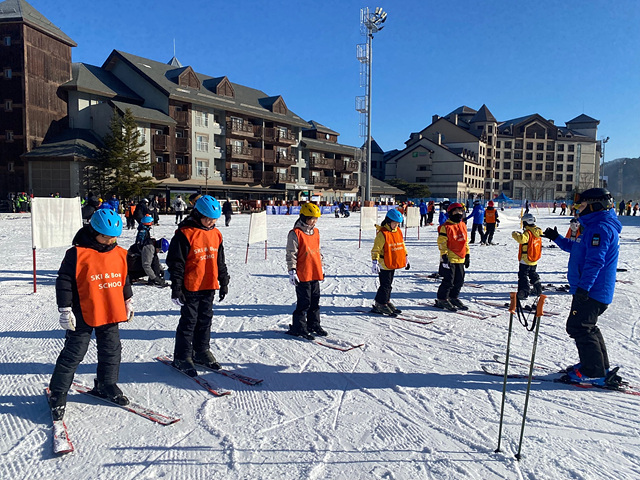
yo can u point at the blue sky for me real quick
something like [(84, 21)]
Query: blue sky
[(555, 58)]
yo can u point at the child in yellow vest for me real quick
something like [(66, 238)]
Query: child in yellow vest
[(453, 244), (529, 252), (304, 263), (388, 254)]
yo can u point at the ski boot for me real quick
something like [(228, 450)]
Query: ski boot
[(206, 359), (57, 404), (458, 304), (185, 366), (109, 392), (393, 308), (383, 309), (537, 289), (445, 304), (318, 330), (300, 333), (522, 295)]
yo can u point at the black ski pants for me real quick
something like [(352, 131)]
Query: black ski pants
[(452, 281), (430, 218), (306, 316), (477, 227), (384, 290), (491, 229), (75, 348), (194, 328), (526, 274), (179, 216), (423, 220), (581, 326)]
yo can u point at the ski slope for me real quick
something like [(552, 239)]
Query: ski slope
[(412, 403)]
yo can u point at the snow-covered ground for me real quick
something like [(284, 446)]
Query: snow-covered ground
[(412, 403)]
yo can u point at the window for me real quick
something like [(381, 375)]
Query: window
[(497, 154), (202, 167), (488, 152), (570, 148), (529, 156), (538, 176), (423, 168), (498, 143), (558, 177), (508, 145), (560, 157), (548, 166), (517, 165), (7, 73), (550, 146), (539, 156), (548, 176), (528, 166), (8, 105), (160, 159), (490, 139), (202, 119), (529, 145), (561, 147), (507, 155), (421, 180), (527, 176), (539, 146), (559, 167), (549, 157), (8, 135), (518, 145), (179, 160), (506, 165), (7, 41), (538, 166), (568, 187), (497, 164), (559, 187), (202, 143), (497, 185), (179, 133), (569, 168), (569, 178), (569, 158), (517, 176), (506, 186), (506, 176)]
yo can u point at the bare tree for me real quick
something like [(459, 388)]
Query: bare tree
[(538, 190)]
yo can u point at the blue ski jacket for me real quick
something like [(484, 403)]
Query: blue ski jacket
[(478, 214), (442, 217), (423, 208), (594, 255)]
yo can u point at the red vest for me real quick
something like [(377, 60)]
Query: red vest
[(309, 261), (394, 252), (490, 215), (457, 238), (201, 266), (100, 279)]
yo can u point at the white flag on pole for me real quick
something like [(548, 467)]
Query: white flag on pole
[(258, 227), (54, 221)]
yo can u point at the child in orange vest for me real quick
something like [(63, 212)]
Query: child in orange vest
[(197, 268), (529, 252), (574, 230), (304, 264), (93, 293), (454, 258), (388, 254)]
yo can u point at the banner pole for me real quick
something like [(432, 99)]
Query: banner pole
[(265, 249), (34, 269), (359, 237), (246, 257)]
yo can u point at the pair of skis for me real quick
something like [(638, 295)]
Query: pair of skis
[(421, 319), (466, 313)]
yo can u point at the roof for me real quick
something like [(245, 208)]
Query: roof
[(375, 148), (247, 100), (320, 128), (143, 113), (21, 11), (463, 110), (174, 62), (514, 121), (72, 144), (323, 146), (92, 79), (378, 187), (483, 115), (583, 119)]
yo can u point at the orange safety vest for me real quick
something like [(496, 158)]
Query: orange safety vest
[(490, 215), (533, 248), (201, 266), (570, 233), (100, 279), (457, 238), (395, 255), (309, 261)]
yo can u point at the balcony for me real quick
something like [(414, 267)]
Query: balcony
[(321, 180), (241, 176), (272, 157), (267, 178), (346, 165), (160, 143), (161, 170), (345, 183), (238, 129), (286, 178), (180, 116), (322, 163), (268, 134), (235, 152), (183, 144), (286, 138), (183, 171)]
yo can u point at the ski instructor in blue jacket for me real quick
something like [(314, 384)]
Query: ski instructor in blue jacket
[(592, 275)]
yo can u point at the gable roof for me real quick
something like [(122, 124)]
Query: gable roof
[(72, 144), (21, 11), (144, 114), (483, 115), (246, 100), (583, 119), (92, 79), (174, 62), (323, 146), (320, 128)]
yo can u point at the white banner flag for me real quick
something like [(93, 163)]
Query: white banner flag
[(368, 218), (258, 227), (413, 217), (54, 221)]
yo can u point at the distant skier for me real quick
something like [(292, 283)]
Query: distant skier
[(454, 258), (179, 207), (227, 211), (304, 264), (93, 293), (424, 210), (431, 209), (491, 220), (477, 214), (529, 252), (591, 273), (388, 254), (197, 267), (443, 212)]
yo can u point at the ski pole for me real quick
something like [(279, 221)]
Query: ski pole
[(512, 311), (539, 314)]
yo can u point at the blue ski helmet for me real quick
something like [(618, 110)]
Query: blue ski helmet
[(106, 222), (208, 206), (163, 245), (147, 220), (395, 216)]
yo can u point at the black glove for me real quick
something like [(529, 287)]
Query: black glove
[(177, 295), (551, 233), (467, 260), (408, 267), (224, 289), (581, 295), (157, 281), (445, 260)]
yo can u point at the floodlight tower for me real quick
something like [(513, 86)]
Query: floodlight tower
[(370, 23), (603, 141)]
